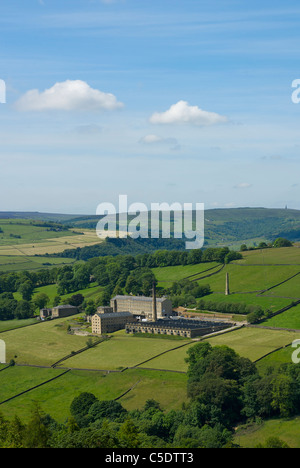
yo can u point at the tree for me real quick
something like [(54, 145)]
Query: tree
[(24, 310), (281, 242), (91, 307), (82, 277), (41, 300), (128, 435), (76, 300), (107, 409), (26, 290), (36, 433), (215, 392), (56, 301), (80, 406), (7, 306)]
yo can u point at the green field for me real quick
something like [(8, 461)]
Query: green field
[(167, 275), (288, 319), (12, 324), (92, 292), (22, 263), (284, 429), (151, 368), (120, 352), (265, 302), (41, 344), (24, 246), (277, 358), (55, 397), (45, 343), (23, 231), (254, 342), (283, 256)]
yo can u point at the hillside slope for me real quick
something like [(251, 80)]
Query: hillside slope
[(222, 226)]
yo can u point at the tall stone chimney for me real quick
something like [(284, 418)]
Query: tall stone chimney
[(154, 308), (227, 289)]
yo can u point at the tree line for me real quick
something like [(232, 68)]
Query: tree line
[(121, 274)]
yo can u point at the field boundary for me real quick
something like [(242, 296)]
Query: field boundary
[(127, 391), (161, 354), (35, 387), (75, 353), (208, 276)]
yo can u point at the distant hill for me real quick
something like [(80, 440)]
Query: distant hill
[(222, 226)]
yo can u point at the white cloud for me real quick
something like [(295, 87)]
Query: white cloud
[(68, 96), (154, 139), (243, 185), (183, 113)]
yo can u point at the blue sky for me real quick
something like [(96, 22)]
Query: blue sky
[(165, 101)]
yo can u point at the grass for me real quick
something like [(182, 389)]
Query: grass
[(174, 360), (21, 263), (289, 289), (254, 343), (276, 359), (6, 325), (92, 292), (288, 319), (283, 256), (120, 352), (267, 303), (168, 275), (22, 231), (55, 397), (287, 430), (42, 344), (249, 279), (25, 246), (15, 380)]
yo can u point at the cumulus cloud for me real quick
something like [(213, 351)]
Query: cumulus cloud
[(183, 113), (68, 96)]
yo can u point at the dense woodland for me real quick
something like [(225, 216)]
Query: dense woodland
[(223, 391)]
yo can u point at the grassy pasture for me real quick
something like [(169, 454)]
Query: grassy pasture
[(282, 356), (91, 292), (254, 343), (243, 277), (50, 245), (55, 397), (12, 324), (266, 302), (120, 352), (168, 275), (289, 289), (41, 344), (287, 430), (288, 319), (24, 246), (22, 231), (283, 256), (250, 278), (11, 263)]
